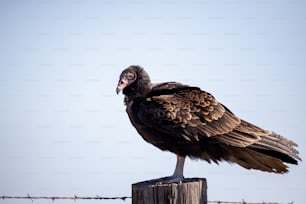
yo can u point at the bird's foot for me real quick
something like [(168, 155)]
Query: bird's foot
[(170, 179)]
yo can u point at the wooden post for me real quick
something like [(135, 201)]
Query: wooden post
[(189, 191)]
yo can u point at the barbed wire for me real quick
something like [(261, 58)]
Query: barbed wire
[(75, 197), (244, 202), (123, 198)]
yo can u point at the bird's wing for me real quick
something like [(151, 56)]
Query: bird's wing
[(192, 115)]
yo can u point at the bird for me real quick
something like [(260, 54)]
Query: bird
[(191, 122)]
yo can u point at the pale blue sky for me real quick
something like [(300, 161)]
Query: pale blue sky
[(64, 131)]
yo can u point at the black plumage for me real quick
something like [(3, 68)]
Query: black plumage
[(190, 122)]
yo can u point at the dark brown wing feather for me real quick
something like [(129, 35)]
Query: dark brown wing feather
[(188, 121), (197, 113)]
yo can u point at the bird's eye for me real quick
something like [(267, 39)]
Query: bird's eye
[(130, 76)]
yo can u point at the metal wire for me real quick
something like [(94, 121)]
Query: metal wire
[(123, 198), (75, 197)]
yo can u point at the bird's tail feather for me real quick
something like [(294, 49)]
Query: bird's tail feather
[(251, 159), (262, 149)]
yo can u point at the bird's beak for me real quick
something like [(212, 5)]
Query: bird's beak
[(123, 82), (118, 90)]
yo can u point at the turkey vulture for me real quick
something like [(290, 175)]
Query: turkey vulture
[(188, 121)]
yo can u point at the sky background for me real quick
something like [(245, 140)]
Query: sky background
[(63, 129)]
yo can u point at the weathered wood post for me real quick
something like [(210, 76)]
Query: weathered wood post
[(189, 191)]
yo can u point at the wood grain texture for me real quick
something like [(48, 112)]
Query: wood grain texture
[(190, 191)]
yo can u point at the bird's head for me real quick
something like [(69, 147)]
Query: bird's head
[(134, 82)]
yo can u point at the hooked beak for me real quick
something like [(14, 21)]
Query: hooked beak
[(118, 90), (123, 82)]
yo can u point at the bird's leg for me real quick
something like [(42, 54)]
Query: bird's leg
[(179, 168), (178, 175)]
